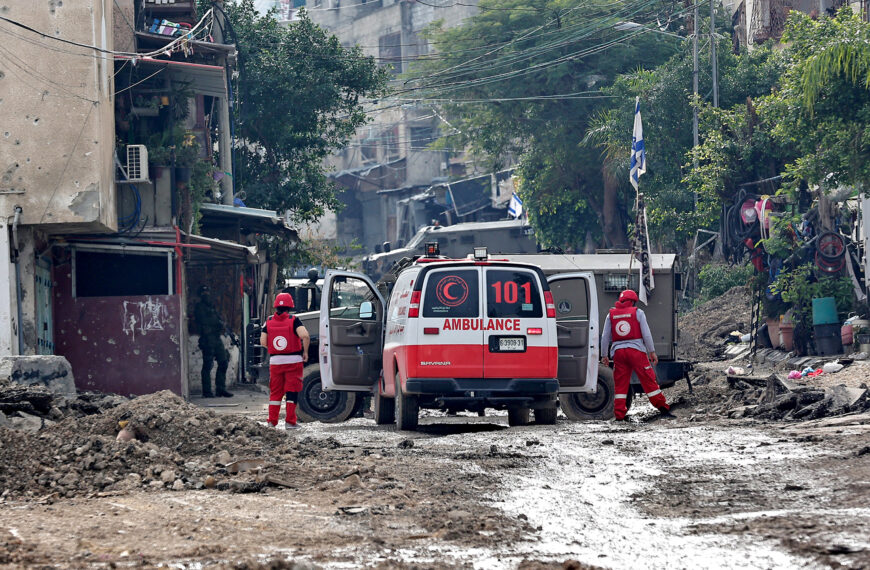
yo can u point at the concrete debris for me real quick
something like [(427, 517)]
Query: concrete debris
[(788, 400), (846, 397), (52, 372)]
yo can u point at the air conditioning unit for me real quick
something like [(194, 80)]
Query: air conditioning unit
[(137, 163)]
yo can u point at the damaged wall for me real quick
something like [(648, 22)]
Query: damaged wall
[(124, 344), (56, 100)]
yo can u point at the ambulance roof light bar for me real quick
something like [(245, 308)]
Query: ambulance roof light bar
[(432, 249), (481, 254)]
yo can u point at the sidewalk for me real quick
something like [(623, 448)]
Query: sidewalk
[(249, 400)]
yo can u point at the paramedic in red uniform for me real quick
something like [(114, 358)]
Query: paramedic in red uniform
[(627, 336), (287, 342)]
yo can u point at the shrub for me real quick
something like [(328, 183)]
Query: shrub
[(716, 278)]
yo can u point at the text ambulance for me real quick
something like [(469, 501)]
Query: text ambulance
[(459, 335)]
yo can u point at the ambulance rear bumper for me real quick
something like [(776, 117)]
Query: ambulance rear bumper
[(483, 387)]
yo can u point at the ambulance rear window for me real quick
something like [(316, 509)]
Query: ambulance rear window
[(451, 294), (511, 293)]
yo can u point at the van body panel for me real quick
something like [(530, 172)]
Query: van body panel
[(351, 340), (576, 298)]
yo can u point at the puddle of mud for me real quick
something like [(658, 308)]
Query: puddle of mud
[(580, 499)]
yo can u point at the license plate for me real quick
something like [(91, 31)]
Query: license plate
[(511, 345)]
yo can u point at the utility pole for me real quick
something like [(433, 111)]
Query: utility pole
[(713, 58), (695, 90)]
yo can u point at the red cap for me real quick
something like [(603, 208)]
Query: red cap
[(628, 295), (284, 300)]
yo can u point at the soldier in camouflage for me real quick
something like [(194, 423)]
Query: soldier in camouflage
[(211, 326)]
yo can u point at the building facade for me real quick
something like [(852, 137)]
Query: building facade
[(116, 141)]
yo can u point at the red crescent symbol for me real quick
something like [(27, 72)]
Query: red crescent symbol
[(446, 291)]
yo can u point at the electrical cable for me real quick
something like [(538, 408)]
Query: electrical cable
[(154, 53)]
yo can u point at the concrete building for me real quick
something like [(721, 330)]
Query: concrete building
[(114, 206), (388, 172)]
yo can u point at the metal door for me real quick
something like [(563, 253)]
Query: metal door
[(449, 335), (516, 336), (577, 330), (351, 332)]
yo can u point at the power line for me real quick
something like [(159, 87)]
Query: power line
[(161, 51)]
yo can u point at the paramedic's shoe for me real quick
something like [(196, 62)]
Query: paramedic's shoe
[(291, 426), (666, 415)]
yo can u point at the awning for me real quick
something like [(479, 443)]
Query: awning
[(204, 79), (249, 220), (196, 249), (219, 251)]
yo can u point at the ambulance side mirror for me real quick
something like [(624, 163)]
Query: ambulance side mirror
[(366, 310)]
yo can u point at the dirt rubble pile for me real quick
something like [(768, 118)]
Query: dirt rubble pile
[(704, 331), (176, 446), (172, 444)]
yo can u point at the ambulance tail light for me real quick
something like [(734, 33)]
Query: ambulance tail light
[(535, 330), (551, 306), (414, 309), (431, 330)]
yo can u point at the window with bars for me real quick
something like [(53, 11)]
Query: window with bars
[(618, 282)]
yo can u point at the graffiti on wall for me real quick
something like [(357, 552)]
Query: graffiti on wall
[(143, 316)]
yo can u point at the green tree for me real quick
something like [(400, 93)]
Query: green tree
[(822, 110), (734, 149), (298, 100), (522, 79)]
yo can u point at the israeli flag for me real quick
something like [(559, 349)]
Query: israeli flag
[(515, 208), (638, 154)]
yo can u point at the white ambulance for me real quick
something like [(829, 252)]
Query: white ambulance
[(460, 335)]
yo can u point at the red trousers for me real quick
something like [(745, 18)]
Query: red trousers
[(284, 379), (626, 361)]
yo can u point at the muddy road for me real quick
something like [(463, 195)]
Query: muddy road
[(470, 492)]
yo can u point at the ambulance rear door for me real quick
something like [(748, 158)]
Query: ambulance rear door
[(576, 300), (449, 339), (516, 336), (351, 332)]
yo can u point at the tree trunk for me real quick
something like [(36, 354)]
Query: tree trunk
[(613, 226)]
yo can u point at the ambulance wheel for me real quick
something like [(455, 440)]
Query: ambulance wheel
[(385, 408), (598, 406), (407, 409), (546, 416), (316, 405), (518, 417)]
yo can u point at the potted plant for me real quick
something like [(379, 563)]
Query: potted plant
[(799, 286), (186, 155)]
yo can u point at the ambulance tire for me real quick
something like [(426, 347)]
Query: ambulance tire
[(597, 406), (384, 408), (518, 417), (407, 409), (315, 405), (546, 416)]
